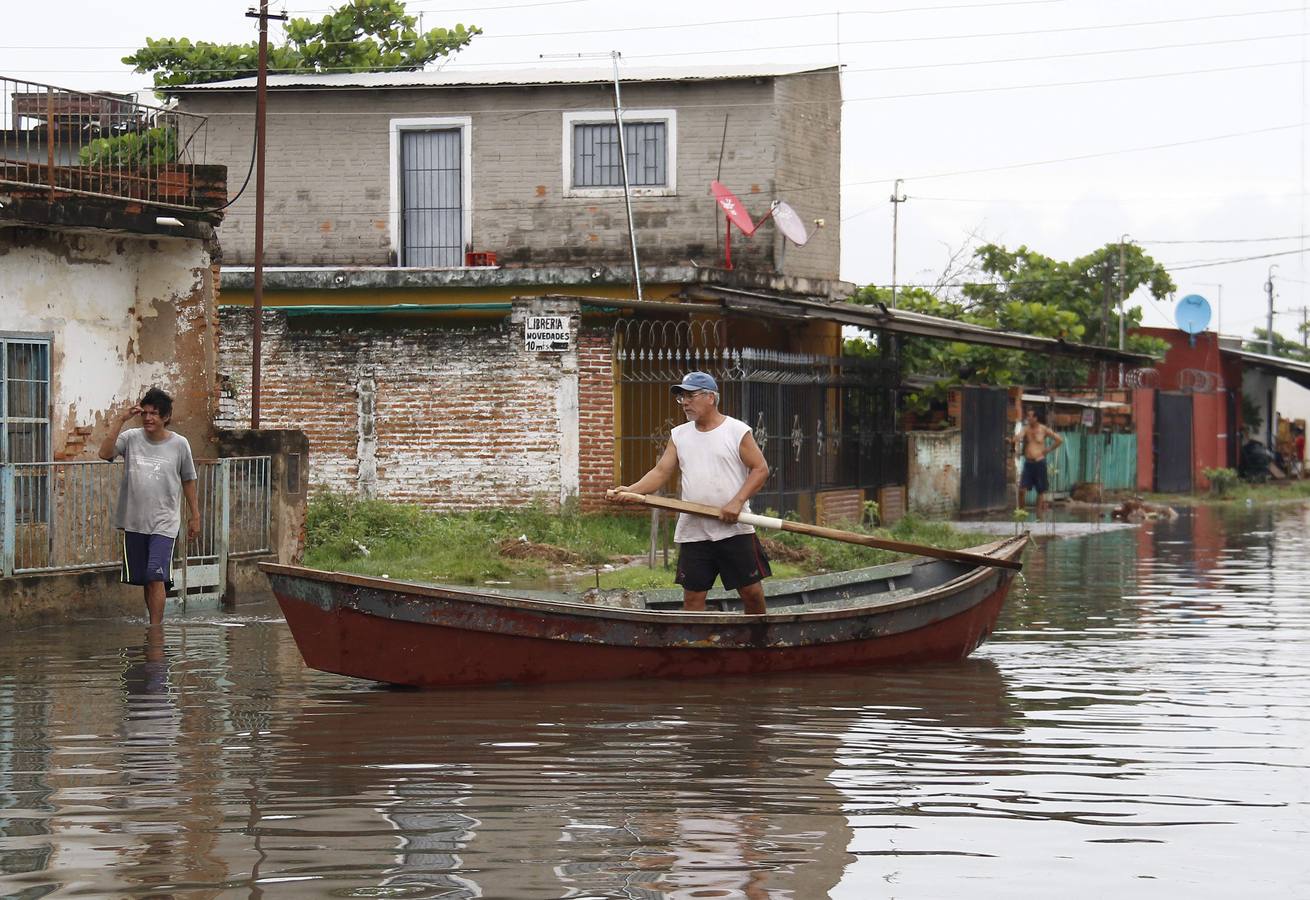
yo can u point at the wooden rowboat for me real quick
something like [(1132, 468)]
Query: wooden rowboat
[(429, 636)]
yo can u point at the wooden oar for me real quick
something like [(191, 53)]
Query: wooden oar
[(834, 534)]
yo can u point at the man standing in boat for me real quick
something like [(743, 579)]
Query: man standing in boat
[(719, 464), (1034, 436)]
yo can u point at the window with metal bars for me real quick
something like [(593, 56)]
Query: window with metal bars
[(25, 419), (593, 163), (596, 155)]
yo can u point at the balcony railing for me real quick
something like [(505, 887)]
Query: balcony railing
[(65, 142)]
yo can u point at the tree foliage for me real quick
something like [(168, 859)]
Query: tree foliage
[(1024, 291), (359, 36), (1284, 347), (151, 147)]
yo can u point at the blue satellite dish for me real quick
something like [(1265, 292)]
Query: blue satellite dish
[(1192, 313)]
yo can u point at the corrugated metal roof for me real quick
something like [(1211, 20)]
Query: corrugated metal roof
[(455, 77), (1278, 365)]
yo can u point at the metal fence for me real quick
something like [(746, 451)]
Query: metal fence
[(1109, 459), (105, 145), (823, 422), (59, 516)]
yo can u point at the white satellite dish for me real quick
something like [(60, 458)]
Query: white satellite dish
[(789, 223)]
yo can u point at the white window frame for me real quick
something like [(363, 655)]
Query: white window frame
[(465, 125), (630, 117)]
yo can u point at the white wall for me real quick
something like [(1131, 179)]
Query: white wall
[(122, 313)]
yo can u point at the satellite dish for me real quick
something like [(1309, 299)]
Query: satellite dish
[(789, 223), (1192, 314), (733, 207)]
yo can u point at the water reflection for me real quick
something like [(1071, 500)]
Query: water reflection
[(1140, 718)]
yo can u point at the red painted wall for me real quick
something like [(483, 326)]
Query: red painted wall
[(1144, 416), (1210, 399)]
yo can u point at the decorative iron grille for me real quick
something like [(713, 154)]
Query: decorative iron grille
[(823, 422)]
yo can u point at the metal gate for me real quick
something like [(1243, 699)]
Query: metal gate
[(823, 422), (1173, 443), (982, 449)]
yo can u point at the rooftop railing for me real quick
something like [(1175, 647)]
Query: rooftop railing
[(66, 142)]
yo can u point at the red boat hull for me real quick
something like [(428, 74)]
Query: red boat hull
[(426, 637)]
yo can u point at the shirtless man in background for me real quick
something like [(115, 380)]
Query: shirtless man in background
[(1035, 435)]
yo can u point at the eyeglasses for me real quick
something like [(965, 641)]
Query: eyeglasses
[(687, 396)]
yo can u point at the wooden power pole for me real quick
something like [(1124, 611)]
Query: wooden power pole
[(261, 101)]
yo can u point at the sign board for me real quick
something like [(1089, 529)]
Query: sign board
[(547, 334)]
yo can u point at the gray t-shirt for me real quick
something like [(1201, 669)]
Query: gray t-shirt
[(149, 499)]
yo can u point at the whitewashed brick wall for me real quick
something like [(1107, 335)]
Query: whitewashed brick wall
[(463, 416)]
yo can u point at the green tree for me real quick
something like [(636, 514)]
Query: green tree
[(1284, 347), (359, 36), (1024, 291)]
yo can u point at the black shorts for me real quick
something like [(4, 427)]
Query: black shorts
[(1034, 476), (739, 560)]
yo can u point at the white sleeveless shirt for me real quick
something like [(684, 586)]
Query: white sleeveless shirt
[(711, 472)]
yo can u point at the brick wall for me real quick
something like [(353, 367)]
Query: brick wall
[(596, 417), (448, 416), (329, 190)]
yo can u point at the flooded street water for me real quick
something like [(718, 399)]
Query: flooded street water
[(1139, 727)]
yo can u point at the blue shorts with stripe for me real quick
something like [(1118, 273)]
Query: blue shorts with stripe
[(147, 558)]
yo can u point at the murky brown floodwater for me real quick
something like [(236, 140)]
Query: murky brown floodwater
[(1139, 728)]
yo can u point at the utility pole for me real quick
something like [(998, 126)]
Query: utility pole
[(1269, 321), (897, 199), (615, 56), (1123, 239), (261, 98)]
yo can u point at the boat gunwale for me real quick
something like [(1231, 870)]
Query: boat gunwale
[(1005, 548)]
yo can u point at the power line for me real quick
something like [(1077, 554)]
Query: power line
[(1259, 240), (849, 70), (1225, 262), (717, 105), (823, 44), (755, 20), (413, 3), (1068, 29), (1080, 157)]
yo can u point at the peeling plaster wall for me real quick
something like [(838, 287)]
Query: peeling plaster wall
[(448, 414), (934, 472), (123, 314)]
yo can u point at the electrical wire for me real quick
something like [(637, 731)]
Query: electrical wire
[(1067, 29)]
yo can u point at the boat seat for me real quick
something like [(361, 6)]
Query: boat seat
[(844, 602), (869, 582)]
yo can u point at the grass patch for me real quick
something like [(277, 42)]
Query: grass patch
[(377, 537), (408, 542), (1291, 491)]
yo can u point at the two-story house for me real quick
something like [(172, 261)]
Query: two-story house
[(424, 230)]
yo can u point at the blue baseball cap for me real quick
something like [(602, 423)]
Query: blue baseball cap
[(695, 381)]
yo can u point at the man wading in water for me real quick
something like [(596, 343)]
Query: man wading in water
[(157, 471), (1035, 450), (720, 465)]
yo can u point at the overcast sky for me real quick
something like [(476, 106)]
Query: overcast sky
[(1060, 124)]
